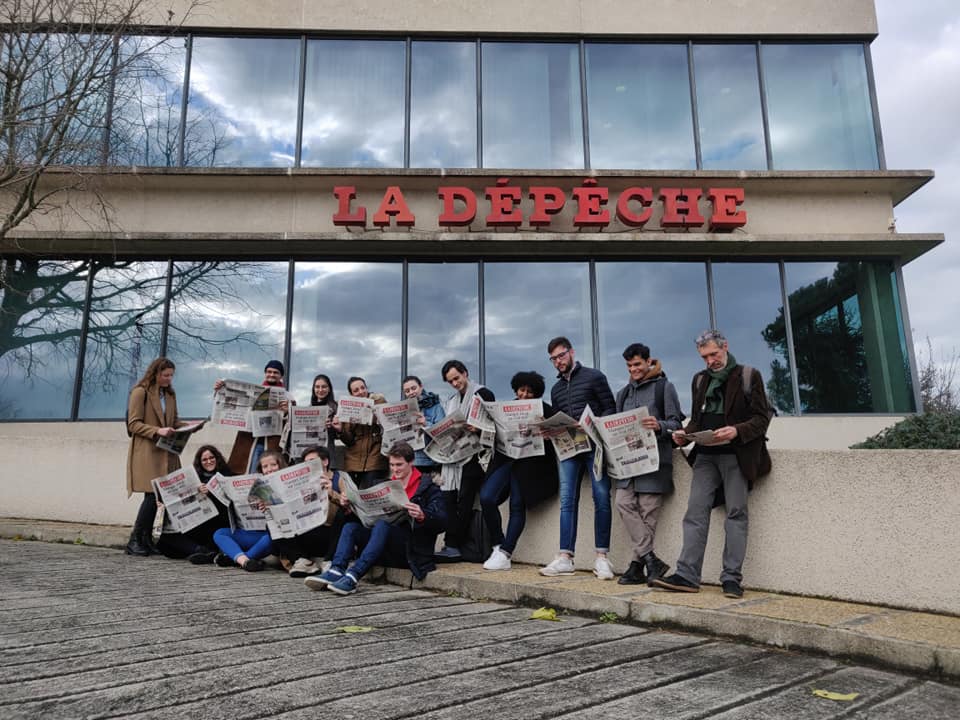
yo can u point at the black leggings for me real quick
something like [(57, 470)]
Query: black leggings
[(147, 514)]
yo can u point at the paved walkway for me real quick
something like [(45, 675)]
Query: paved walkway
[(913, 641), (88, 632)]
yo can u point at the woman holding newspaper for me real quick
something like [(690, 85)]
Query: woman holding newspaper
[(151, 414), (246, 548)]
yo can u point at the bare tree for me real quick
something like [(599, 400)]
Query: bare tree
[(938, 380)]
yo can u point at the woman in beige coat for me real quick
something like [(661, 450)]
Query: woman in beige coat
[(151, 413)]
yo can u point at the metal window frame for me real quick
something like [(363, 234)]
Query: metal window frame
[(694, 106), (908, 337), (764, 112), (788, 331), (185, 101), (301, 91), (82, 350), (874, 107)]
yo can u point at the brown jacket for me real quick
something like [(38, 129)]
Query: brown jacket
[(362, 451), (145, 461)]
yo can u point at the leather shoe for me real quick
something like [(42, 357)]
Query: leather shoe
[(676, 583), (656, 568), (135, 546), (633, 575), (732, 589)]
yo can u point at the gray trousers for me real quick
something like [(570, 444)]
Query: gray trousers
[(709, 472), (639, 512)]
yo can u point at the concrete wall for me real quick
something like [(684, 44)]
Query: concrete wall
[(600, 17), (864, 526)]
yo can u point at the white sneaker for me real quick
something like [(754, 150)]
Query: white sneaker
[(303, 567), (561, 565), (498, 560), (602, 568)]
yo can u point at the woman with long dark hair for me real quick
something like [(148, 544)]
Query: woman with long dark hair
[(321, 393)]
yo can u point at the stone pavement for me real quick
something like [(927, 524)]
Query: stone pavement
[(88, 632)]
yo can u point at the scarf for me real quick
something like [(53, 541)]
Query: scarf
[(713, 400), (428, 399)]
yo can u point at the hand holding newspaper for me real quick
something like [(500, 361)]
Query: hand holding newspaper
[(399, 422), (305, 427), (568, 438), (356, 410), (704, 437), (249, 407), (451, 440), (384, 501), (177, 441), (295, 500), (186, 506), (235, 491), (631, 449), (513, 420)]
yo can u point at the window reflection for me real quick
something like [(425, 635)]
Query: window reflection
[(41, 308), (846, 337), (146, 114), (226, 321), (126, 321), (243, 102), (728, 107), (527, 304), (531, 106), (443, 320), (818, 103), (443, 114), (743, 316), (353, 107), (661, 304), (639, 102), (347, 321)]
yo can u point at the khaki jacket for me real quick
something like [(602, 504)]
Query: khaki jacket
[(145, 461)]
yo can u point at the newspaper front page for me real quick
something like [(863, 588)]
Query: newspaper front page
[(232, 403), (186, 506), (400, 424), (235, 491), (587, 422), (513, 420), (452, 440), (356, 410), (305, 427), (568, 438), (176, 442), (296, 502), (630, 448), (480, 418), (383, 501)]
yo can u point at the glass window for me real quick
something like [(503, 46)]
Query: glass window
[(443, 104), (527, 304), (728, 107), (639, 102), (354, 103), (146, 112), (747, 295), (347, 321), (227, 319), (846, 335), (41, 308), (243, 102), (818, 103), (531, 106), (444, 315), (126, 319), (661, 304)]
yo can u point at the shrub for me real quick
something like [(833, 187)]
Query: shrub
[(930, 431)]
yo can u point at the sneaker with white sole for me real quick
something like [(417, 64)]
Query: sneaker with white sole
[(303, 567), (561, 565), (347, 585), (602, 568), (320, 582), (498, 560)]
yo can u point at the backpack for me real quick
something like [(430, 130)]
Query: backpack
[(658, 390)]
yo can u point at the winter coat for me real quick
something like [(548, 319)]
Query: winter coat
[(586, 386), (362, 452), (421, 542), (432, 410), (145, 415)]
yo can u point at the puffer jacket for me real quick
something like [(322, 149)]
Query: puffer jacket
[(586, 386)]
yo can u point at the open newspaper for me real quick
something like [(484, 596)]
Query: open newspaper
[(266, 417), (383, 501), (235, 491), (587, 422), (400, 424), (568, 438), (176, 442), (305, 428), (704, 437), (295, 501), (513, 420), (356, 410), (186, 506), (452, 440), (631, 449), (480, 418), (246, 406)]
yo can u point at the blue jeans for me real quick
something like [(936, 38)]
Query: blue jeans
[(571, 472), (255, 544), (382, 541), (493, 492), (259, 446)]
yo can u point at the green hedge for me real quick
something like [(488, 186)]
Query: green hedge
[(932, 431)]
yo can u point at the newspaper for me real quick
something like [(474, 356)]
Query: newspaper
[(356, 410), (452, 440), (400, 424), (249, 407), (568, 438), (631, 449), (587, 422), (480, 418), (176, 442), (235, 491), (305, 428), (186, 507), (513, 419), (704, 437), (266, 417), (296, 502), (383, 501)]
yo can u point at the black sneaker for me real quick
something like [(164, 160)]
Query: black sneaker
[(203, 557), (676, 583), (221, 560), (732, 589), (253, 565)]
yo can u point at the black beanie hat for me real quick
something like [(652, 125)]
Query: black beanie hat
[(276, 365)]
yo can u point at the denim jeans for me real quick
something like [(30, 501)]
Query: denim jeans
[(493, 492), (571, 472), (384, 543)]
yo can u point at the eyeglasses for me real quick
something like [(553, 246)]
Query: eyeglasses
[(560, 355)]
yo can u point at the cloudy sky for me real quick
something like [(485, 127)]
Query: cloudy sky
[(916, 61)]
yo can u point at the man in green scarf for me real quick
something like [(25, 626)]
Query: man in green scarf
[(731, 411)]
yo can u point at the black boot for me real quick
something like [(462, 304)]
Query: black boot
[(634, 575), (656, 568), (146, 539), (135, 545)]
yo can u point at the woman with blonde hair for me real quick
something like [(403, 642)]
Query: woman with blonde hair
[(151, 414)]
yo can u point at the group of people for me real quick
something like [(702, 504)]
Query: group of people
[(728, 399)]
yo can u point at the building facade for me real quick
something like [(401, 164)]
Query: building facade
[(374, 193)]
